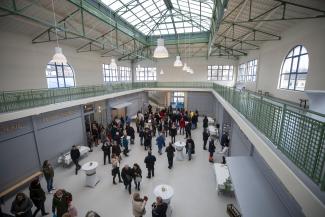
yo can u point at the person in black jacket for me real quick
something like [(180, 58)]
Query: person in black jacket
[(224, 139), (21, 206), (173, 132), (159, 208), (106, 148), (75, 155), (137, 175), (150, 164), (170, 155), (206, 135), (188, 128), (130, 132), (37, 195), (212, 149), (147, 139), (205, 122), (127, 176), (190, 147)]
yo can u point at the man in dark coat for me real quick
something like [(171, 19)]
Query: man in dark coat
[(127, 175), (106, 148), (75, 155), (170, 155), (206, 135), (188, 128), (60, 203), (190, 147), (150, 164), (224, 139), (147, 139), (205, 122), (159, 208), (37, 195), (130, 132), (212, 149)]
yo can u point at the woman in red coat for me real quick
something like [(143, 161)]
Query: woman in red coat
[(181, 125)]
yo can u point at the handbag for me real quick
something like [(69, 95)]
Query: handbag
[(138, 179)]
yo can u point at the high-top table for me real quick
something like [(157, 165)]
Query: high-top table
[(179, 146), (90, 170), (213, 131)]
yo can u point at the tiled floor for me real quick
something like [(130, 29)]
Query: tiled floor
[(193, 181)]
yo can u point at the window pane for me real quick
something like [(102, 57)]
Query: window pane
[(52, 83), (296, 51), (61, 82), (287, 66), (69, 82), (292, 81), (303, 50), (301, 81), (303, 63), (68, 72), (294, 64), (59, 70), (284, 81)]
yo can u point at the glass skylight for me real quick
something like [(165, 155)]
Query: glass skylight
[(152, 17)]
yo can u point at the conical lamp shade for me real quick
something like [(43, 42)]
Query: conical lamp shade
[(162, 72), (58, 57), (185, 67), (160, 51), (178, 62), (113, 64)]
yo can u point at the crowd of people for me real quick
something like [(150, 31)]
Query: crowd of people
[(115, 139)]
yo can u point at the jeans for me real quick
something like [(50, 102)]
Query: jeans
[(151, 172), (141, 140), (49, 183)]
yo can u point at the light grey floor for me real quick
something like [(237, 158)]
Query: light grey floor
[(193, 181)]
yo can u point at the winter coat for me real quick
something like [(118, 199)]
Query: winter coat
[(61, 205), (25, 206), (147, 138), (48, 172), (150, 161), (138, 207), (205, 122), (137, 172), (190, 146), (130, 132), (127, 174), (160, 210), (106, 148), (160, 141), (224, 140), (116, 150), (205, 135), (212, 147), (173, 131), (182, 123), (125, 142), (75, 154), (37, 195), (170, 151)]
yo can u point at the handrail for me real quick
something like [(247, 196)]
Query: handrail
[(298, 133)]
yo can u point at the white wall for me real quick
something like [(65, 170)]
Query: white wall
[(198, 64), (22, 64), (309, 33)]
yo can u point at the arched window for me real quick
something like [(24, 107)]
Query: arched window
[(294, 69), (59, 75)]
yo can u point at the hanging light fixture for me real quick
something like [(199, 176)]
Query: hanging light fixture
[(178, 62), (160, 51), (58, 57), (185, 67), (162, 72), (113, 64)]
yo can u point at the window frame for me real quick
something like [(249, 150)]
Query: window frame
[(120, 74), (220, 72), (57, 76), (290, 57), (146, 74), (247, 71)]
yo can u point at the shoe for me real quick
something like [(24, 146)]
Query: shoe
[(50, 192), (53, 189), (148, 177), (120, 181), (114, 183), (46, 213)]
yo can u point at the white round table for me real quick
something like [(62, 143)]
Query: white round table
[(166, 192), (91, 177), (179, 146)]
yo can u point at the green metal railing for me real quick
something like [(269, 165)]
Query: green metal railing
[(298, 133)]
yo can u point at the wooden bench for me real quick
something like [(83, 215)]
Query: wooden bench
[(19, 184)]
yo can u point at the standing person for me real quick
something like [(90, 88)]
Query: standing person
[(37, 195), (116, 168), (188, 128), (159, 208), (127, 175), (125, 143), (75, 155), (224, 153), (116, 150), (147, 139), (89, 141), (224, 140), (141, 135), (130, 132), (60, 203), (190, 147), (170, 155), (160, 141), (137, 175), (21, 206), (106, 148), (150, 164), (181, 126), (48, 174), (173, 132), (166, 127), (206, 135), (139, 205), (205, 122), (212, 149)]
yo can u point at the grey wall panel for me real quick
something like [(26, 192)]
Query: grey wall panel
[(240, 145), (15, 128), (57, 139), (18, 159), (204, 102)]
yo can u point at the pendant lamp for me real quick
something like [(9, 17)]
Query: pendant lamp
[(160, 51), (162, 72), (185, 67), (178, 62), (58, 57), (113, 64)]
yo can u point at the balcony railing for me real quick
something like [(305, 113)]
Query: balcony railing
[(298, 133)]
